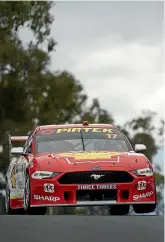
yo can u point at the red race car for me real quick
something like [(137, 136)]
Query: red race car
[(78, 165)]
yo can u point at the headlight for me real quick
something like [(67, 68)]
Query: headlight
[(44, 174), (143, 172)]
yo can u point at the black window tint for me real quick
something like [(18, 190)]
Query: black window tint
[(72, 139)]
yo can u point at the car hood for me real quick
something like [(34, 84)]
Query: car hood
[(81, 161)]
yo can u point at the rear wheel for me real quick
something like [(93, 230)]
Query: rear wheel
[(144, 208), (119, 210), (27, 208), (2, 204)]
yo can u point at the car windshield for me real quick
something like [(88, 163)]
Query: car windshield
[(81, 139)]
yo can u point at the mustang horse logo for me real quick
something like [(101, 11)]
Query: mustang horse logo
[(96, 177)]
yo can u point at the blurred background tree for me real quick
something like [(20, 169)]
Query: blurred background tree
[(31, 94), (142, 130)]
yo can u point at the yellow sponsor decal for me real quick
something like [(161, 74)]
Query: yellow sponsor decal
[(13, 180), (86, 130), (90, 156), (14, 197)]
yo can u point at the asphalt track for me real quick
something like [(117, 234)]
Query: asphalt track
[(66, 228)]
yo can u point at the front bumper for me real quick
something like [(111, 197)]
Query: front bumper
[(71, 195)]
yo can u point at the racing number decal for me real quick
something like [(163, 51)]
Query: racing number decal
[(111, 136)]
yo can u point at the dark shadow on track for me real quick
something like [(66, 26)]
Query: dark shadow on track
[(81, 228)]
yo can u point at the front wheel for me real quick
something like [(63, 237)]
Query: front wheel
[(2, 205), (119, 210), (27, 208), (144, 208)]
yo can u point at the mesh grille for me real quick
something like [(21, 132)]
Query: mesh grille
[(90, 177)]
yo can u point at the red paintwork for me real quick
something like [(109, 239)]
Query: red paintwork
[(16, 203), (127, 163), (37, 188), (47, 162)]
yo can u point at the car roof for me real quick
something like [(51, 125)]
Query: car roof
[(98, 125)]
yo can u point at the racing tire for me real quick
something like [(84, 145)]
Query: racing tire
[(28, 210), (119, 210), (2, 205), (9, 210), (144, 208)]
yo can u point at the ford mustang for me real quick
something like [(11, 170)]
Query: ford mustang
[(78, 165)]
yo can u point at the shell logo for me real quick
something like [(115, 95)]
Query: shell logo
[(91, 155)]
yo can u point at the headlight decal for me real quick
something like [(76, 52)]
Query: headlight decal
[(143, 172)]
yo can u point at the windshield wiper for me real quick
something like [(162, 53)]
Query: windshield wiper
[(82, 140)]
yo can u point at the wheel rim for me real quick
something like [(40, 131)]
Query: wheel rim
[(26, 194)]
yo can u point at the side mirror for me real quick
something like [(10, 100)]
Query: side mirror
[(17, 151), (140, 147)]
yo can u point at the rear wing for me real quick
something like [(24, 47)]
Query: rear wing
[(13, 141), (18, 138)]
